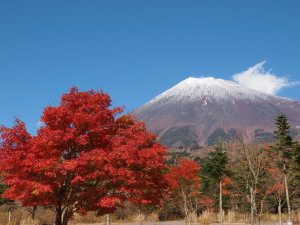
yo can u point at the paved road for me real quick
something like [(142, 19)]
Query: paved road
[(176, 223), (161, 223), (157, 223), (144, 223)]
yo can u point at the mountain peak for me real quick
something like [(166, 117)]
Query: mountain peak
[(197, 110), (207, 89), (206, 83), (203, 80)]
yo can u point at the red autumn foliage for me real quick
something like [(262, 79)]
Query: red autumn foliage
[(184, 184), (226, 181), (257, 191), (185, 175), (279, 188), (225, 192), (82, 158), (271, 170), (206, 202)]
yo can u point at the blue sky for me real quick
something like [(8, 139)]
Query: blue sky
[(136, 49)]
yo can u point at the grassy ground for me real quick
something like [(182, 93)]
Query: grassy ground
[(21, 216)]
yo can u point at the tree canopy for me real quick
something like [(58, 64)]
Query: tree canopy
[(85, 157), (284, 139), (215, 164)]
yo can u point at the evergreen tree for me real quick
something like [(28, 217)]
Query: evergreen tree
[(284, 148), (215, 168), (215, 164), (284, 144)]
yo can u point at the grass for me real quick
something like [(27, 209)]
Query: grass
[(20, 216)]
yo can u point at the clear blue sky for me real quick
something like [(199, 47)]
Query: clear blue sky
[(134, 50)]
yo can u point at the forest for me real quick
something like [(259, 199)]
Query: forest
[(88, 161)]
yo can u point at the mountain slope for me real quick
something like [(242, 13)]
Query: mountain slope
[(197, 111)]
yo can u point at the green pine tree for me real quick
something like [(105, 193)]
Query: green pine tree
[(284, 144), (215, 164), (215, 169), (285, 149)]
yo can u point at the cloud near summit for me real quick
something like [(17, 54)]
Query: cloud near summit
[(264, 81)]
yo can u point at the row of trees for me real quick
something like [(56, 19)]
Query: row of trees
[(248, 178), (86, 157)]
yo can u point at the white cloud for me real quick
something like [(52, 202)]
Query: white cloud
[(39, 124), (259, 79)]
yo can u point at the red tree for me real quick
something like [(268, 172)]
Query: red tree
[(206, 202), (184, 181), (225, 183), (82, 159)]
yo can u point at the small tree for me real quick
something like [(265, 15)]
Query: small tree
[(216, 167), (82, 159), (251, 176), (284, 149), (276, 189), (184, 181)]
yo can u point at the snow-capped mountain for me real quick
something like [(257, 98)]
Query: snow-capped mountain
[(197, 111)]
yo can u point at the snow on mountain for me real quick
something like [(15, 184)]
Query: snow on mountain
[(193, 89), (197, 110)]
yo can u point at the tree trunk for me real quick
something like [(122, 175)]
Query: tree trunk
[(67, 215), (9, 216), (279, 211), (186, 207), (107, 219), (252, 206), (32, 211), (254, 213), (287, 192), (221, 204), (63, 216), (255, 208), (58, 216), (257, 219)]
